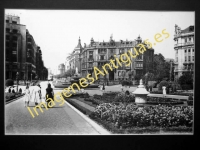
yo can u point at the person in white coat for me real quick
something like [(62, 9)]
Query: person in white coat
[(38, 95), (27, 96)]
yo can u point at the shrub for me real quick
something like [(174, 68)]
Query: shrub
[(9, 82), (20, 90), (130, 115), (187, 86), (190, 103), (127, 82)]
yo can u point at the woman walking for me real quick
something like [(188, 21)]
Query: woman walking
[(38, 94), (27, 96), (49, 94)]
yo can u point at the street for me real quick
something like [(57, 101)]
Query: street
[(56, 120)]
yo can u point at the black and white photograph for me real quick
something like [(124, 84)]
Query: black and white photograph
[(99, 72)]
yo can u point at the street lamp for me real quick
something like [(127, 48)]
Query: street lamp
[(31, 77), (17, 78)]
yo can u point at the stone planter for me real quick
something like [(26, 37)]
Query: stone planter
[(140, 94)]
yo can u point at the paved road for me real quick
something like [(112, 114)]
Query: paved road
[(57, 120)]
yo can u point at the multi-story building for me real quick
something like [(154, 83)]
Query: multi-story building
[(184, 51), (61, 68), (73, 58), (99, 53), (21, 52), (15, 46)]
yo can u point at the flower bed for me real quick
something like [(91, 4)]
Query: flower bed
[(126, 116), (137, 130), (10, 96)]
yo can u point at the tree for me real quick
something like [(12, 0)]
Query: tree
[(186, 81), (161, 68), (148, 77), (9, 82)]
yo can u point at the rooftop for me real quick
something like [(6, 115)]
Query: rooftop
[(188, 29)]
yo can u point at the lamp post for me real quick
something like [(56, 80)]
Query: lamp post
[(36, 77), (17, 78), (31, 77)]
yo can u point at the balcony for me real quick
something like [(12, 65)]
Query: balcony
[(178, 44), (188, 43), (102, 51), (90, 67), (140, 68), (183, 44), (90, 59), (139, 60), (188, 62)]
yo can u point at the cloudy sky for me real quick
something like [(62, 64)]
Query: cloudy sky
[(57, 31)]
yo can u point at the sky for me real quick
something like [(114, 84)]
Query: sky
[(57, 31)]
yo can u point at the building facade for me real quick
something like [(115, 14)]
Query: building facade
[(61, 68), (21, 52), (73, 58), (99, 53), (184, 51)]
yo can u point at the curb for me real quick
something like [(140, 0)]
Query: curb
[(97, 127), (12, 100)]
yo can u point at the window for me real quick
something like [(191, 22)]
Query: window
[(7, 37), (7, 44), (189, 39), (14, 52), (7, 21), (15, 22), (15, 31), (185, 58), (102, 57), (185, 40), (14, 38), (185, 51), (7, 30), (192, 58), (176, 59), (111, 50), (188, 58), (193, 50), (188, 50)]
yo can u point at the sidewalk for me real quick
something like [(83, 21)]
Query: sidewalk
[(169, 96)]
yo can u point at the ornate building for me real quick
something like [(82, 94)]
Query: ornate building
[(73, 58), (184, 51), (99, 53), (21, 52)]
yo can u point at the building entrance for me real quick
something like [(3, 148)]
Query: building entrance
[(111, 75)]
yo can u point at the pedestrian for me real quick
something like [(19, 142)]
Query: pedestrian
[(9, 90), (164, 91), (49, 94), (13, 91), (37, 94), (27, 96), (103, 88)]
